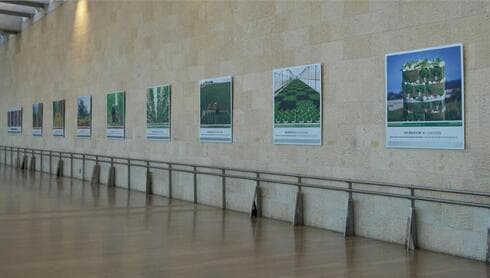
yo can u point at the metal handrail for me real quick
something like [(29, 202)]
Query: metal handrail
[(198, 169)]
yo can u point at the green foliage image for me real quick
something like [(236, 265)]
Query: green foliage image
[(84, 115), (37, 115), (115, 110), (158, 107), (215, 102), (296, 103)]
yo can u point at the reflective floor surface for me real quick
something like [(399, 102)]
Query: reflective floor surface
[(53, 227)]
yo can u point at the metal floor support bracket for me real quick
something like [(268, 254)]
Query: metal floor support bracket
[(24, 162), (59, 169), (17, 162), (349, 217), (111, 178), (256, 210), (488, 243), (411, 232), (298, 211), (95, 179), (32, 166), (149, 183)]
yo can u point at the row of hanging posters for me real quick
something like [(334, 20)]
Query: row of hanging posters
[(425, 98), (424, 105)]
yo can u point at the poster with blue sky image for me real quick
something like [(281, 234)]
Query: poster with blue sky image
[(425, 98)]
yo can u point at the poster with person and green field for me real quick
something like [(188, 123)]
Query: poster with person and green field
[(37, 119), (425, 98), (59, 118), (216, 112), (84, 116), (297, 101), (116, 102), (158, 112)]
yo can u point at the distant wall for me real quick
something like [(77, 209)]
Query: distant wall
[(92, 48)]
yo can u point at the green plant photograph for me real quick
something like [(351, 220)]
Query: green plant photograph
[(215, 102), (37, 115), (158, 107), (59, 114), (297, 96), (116, 109), (84, 112)]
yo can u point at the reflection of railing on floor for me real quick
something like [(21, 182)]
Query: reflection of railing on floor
[(21, 161)]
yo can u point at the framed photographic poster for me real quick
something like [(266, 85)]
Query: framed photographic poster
[(84, 116), (59, 118), (297, 101), (116, 110), (216, 110), (14, 120), (425, 98), (37, 119), (158, 112)]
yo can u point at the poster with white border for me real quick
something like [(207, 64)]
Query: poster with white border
[(116, 114), (158, 112), (424, 92), (84, 116), (14, 120), (37, 119), (216, 110), (297, 105)]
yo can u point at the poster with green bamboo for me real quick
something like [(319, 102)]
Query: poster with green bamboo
[(216, 114), (84, 116), (297, 99), (116, 109), (59, 118), (158, 112), (37, 119)]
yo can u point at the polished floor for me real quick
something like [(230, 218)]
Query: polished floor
[(53, 227)]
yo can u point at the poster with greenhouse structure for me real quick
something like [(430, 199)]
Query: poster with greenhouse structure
[(158, 112), (116, 109), (14, 120), (216, 112), (59, 118), (84, 116), (37, 119), (297, 101), (425, 98)]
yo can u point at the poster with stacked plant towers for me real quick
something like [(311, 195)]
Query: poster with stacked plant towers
[(158, 112), (59, 118), (37, 119), (425, 98), (216, 111), (297, 101), (116, 110), (14, 120), (84, 116)]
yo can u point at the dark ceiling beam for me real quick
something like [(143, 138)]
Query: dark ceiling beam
[(9, 31), (33, 4), (16, 13)]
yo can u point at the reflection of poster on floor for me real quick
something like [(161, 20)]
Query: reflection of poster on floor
[(425, 98), (116, 114), (14, 120), (59, 118), (215, 96), (297, 93), (84, 116), (158, 112), (37, 119)]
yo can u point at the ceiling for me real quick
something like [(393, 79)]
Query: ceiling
[(15, 16)]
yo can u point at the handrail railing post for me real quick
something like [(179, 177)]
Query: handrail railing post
[(71, 165), (50, 162), (298, 210), (349, 215), (223, 188), (170, 180), (195, 184), (83, 167), (129, 174)]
